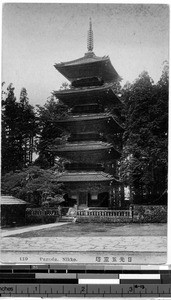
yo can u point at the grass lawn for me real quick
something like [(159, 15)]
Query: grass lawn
[(96, 230)]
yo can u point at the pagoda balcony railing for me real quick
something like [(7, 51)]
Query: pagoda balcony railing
[(105, 213)]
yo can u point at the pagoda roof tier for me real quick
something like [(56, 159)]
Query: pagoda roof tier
[(88, 66), (80, 146), (87, 152), (86, 177), (101, 122), (87, 95)]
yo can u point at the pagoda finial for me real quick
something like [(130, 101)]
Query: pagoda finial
[(90, 37)]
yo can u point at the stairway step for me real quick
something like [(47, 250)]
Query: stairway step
[(67, 219)]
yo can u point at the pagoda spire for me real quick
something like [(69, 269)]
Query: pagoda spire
[(90, 37)]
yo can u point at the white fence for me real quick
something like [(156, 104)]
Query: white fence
[(105, 213)]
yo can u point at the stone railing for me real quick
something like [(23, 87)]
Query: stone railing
[(105, 213), (104, 216)]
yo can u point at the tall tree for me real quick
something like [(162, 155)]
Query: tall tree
[(159, 128), (10, 148), (49, 132), (27, 125), (146, 119), (18, 129)]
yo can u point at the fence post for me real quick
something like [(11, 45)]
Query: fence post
[(131, 211)]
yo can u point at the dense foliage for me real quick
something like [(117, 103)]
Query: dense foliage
[(144, 159), (34, 185), (18, 130), (35, 182), (49, 133)]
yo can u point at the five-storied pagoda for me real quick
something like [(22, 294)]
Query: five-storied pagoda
[(94, 146)]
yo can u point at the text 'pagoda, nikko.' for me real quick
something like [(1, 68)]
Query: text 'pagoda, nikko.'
[(93, 149)]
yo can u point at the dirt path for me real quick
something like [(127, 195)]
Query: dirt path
[(9, 232)]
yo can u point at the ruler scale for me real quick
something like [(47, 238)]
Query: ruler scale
[(84, 281), (101, 290)]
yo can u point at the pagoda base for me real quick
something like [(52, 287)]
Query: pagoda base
[(92, 189), (91, 199)]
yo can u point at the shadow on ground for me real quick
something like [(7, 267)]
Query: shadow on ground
[(96, 230)]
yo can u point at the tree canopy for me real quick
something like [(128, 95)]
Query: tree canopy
[(144, 159), (34, 185), (49, 132), (18, 130), (25, 130)]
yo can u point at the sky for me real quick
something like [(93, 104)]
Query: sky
[(35, 36)]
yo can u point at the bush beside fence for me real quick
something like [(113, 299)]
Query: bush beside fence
[(41, 216), (150, 213)]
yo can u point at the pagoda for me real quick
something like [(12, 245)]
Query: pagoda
[(94, 145)]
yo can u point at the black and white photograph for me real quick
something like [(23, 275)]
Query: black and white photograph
[(84, 133)]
